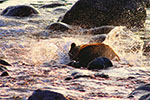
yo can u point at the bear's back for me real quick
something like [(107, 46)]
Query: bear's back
[(88, 52)]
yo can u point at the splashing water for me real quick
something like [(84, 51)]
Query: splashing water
[(127, 45)]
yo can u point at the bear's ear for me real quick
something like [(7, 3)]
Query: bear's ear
[(73, 45)]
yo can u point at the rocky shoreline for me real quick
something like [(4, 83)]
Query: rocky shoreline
[(76, 84)]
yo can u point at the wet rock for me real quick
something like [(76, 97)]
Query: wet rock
[(3, 68), (68, 78), (4, 63), (74, 73), (146, 48), (46, 95), (77, 75), (53, 5), (95, 13), (141, 93), (1, 1), (130, 78), (19, 11), (4, 74), (100, 63), (82, 76), (59, 10), (98, 38), (58, 27), (101, 75), (99, 30), (145, 97)]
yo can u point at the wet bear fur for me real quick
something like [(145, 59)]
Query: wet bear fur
[(83, 54)]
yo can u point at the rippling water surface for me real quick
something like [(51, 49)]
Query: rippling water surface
[(26, 40)]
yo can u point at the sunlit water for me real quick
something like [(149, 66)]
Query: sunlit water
[(26, 40)]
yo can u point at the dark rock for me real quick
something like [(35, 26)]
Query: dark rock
[(19, 11), (1, 1), (78, 76), (99, 30), (146, 48), (100, 63), (130, 78), (98, 38), (3, 68), (58, 27), (4, 74), (59, 10), (145, 97), (82, 76), (53, 5), (145, 87), (4, 63), (46, 95), (95, 13), (141, 93), (68, 78), (101, 75), (74, 74)]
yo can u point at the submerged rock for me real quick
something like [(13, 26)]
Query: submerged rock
[(19, 11), (95, 13), (99, 30), (46, 95), (146, 48), (100, 63), (58, 27), (5, 73), (98, 38), (3, 63), (141, 93), (83, 54), (53, 5), (58, 11)]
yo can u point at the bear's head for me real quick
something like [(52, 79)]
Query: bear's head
[(73, 52)]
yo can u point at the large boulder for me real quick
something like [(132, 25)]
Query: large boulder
[(95, 13), (19, 11)]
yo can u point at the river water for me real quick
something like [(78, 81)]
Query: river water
[(27, 41)]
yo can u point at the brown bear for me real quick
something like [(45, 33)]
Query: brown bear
[(83, 54)]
